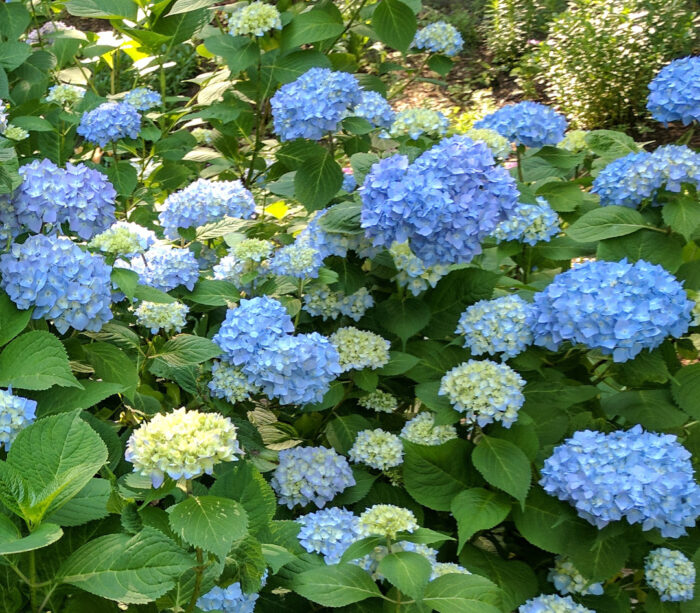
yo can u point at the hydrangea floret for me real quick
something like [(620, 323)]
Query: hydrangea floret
[(568, 580), (328, 532), (674, 93), (551, 603), (166, 316), (386, 520), (231, 599), (229, 382), (526, 123), (296, 260), (16, 413), (165, 267), (529, 224), (643, 477), (485, 391), (671, 574), (374, 108), (422, 430), (255, 19), (310, 474), (182, 445), (617, 307), (439, 37), (143, 98), (110, 122), (377, 448), (65, 94), (415, 122), (379, 401), (360, 349), (124, 238), (499, 145)]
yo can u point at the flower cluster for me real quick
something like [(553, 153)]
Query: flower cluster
[(110, 122), (529, 223), (443, 204), (3, 116), (574, 141), (310, 474), (568, 580), (182, 444), (636, 177), (380, 401), (230, 383), (79, 196), (15, 133), (349, 182), (486, 391), (46, 30), (125, 239), (374, 108), (203, 136), (414, 122), (671, 574), (447, 568), (205, 201), (439, 37), (526, 123), (244, 262), (16, 413), (65, 94), (644, 477), (616, 307), (168, 317), (143, 98), (328, 532), (499, 145), (255, 19), (257, 337), (314, 104), (502, 325), (360, 349), (296, 260), (231, 599), (61, 281), (321, 301), (423, 431), (165, 267), (327, 243), (551, 603), (386, 520), (412, 272), (377, 448), (674, 93)]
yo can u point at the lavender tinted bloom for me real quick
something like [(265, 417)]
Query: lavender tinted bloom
[(640, 476), (674, 93), (616, 307), (109, 123), (79, 196), (443, 204), (205, 201), (314, 104), (165, 267), (527, 123), (310, 474), (60, 281)]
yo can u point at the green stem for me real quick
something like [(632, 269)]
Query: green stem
[(199, 572), (301, 294), (518, 154), (527, 269), (32, 579)]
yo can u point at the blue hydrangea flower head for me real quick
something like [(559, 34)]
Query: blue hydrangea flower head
[(333, 243), (636, 177), (124, 238), (297, 260), (377, 449), (356, 305), (79, 196), (551, 603), (63, 283), (328, 532), (109, 123), (166, 316), (502, 325), (255, 19), (205, 201), (295, 369), (314, 104), (414, 122), (231, 599), (674, 93), (486, 391), (443, 204), (374, 108), (143, 98), (643, 477), (16, 413), (526, 123), (245, 265), (349, 183), (229, 382), (616, 307), (182, 444), (529, 223), (568, 580), (423, 431), (165, 267), (252, 326), (671, 574), (439, 37), (320, 301), (310, 474)]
